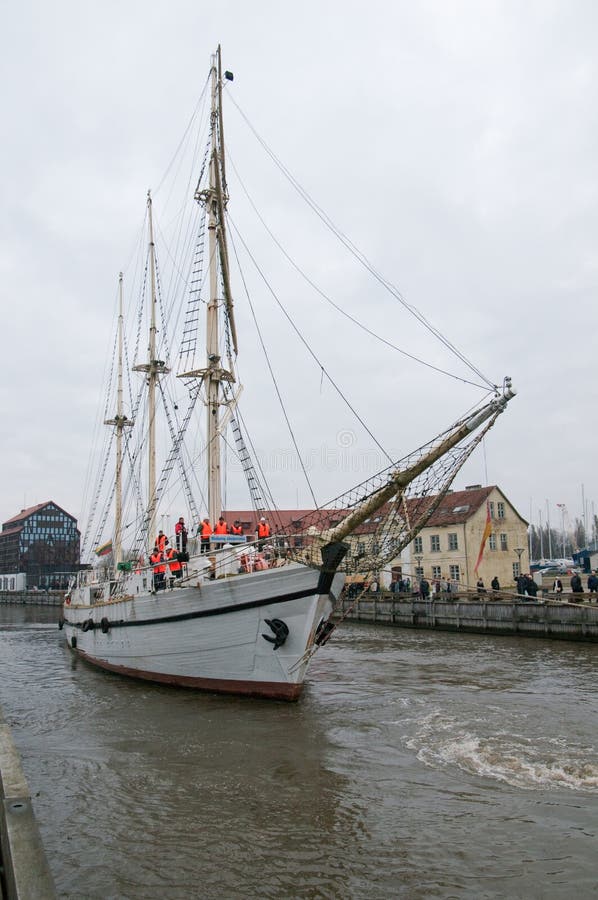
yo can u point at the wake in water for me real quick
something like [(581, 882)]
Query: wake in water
[(475, 746)]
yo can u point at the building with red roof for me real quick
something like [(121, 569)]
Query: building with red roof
[(42, 541)]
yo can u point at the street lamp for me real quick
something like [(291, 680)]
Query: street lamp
[(418, 560), (519, 551), (562, 508)]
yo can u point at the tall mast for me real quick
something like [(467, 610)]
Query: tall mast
[(212, 377), (214, 199), (121, 422), (154, 368), (152, 380)]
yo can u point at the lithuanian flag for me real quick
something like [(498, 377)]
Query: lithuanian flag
[(104, 550)]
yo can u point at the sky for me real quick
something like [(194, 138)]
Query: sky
[(454, 143)]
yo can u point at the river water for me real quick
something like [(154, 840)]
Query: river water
[(417, 764)]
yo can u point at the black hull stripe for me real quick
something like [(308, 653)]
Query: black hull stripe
[(200, 614)]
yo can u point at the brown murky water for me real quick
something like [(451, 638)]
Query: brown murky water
[(417, 765)]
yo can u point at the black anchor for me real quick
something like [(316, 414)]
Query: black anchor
[(281, 632)]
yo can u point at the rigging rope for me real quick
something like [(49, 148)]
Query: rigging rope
[(305, 343), (358, 255)]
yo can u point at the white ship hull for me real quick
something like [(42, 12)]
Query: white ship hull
[(208, 635)]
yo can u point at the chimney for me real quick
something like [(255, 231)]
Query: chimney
[(473, 487)]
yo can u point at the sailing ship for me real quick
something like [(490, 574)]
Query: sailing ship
[(221, 622)]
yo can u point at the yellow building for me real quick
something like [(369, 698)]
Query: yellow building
[(449, 546)]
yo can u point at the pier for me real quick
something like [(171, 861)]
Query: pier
[(546, 618), (24, 870), (32, 598)]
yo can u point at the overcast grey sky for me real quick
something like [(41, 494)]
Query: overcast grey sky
[(454, 142)]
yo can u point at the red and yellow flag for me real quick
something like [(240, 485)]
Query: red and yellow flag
[(485, 536)]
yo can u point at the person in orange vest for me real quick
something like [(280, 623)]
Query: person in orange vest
[(205, 530), (161, 542), (157, 561), (236, 527), (263, 532), (176, 570), (221, 526)]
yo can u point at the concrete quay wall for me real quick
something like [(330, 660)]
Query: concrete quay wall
[(24, 870), (33, 598), (532, 618)]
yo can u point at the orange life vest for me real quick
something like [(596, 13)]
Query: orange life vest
[(158, 563), (221, 528), (173, 560), (206, 529), (263, 530), (161, 542), (236, 529)]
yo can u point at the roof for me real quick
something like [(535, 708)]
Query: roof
[(458, 507), (282, 520), (16, 529), (455, 508), (25, 513)]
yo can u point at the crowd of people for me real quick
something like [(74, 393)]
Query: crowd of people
[(525, 586), (168, 562)]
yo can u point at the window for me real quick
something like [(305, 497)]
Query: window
[(360, 549), (455, 574), (491, 507), (418, 545), (436, 572), (435, 543), (516, 572), (419, 572), (492, 542), (501, 510), (453, 543), (503, 542)]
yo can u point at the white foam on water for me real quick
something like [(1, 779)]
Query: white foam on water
[(546, 762)]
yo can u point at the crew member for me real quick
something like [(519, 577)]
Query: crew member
[(221, 526), (157, 561), (161, 542), (236, 527), (176, 570), (205, 530), (263, 532), (181, 535)]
